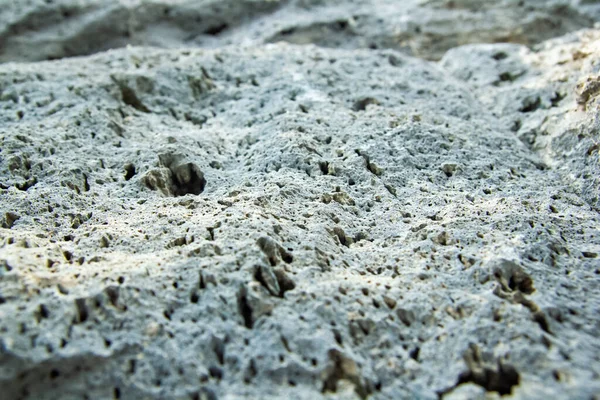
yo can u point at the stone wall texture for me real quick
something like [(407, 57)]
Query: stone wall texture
[(299, 199)]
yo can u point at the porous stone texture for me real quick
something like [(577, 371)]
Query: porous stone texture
[(327, 216)]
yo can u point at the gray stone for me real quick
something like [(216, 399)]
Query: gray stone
[(33, 30), (245, 219)]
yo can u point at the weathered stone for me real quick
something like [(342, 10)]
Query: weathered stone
[(225, 217)]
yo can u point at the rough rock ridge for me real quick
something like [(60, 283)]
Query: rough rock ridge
[(299, 199)]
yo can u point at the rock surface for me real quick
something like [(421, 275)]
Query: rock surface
[(34, 30), (330, 217)]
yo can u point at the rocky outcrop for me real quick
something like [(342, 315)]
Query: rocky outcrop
[(308, 219), (36, 30)]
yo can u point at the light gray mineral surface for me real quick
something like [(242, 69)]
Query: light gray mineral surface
[(299, 199)]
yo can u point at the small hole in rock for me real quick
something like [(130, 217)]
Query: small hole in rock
[(129, 171), (499, 56), (216, 30)]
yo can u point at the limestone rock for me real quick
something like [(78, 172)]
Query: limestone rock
[(288, 220), (41, 29)]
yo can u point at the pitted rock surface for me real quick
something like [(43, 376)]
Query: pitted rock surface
[(222, 217)]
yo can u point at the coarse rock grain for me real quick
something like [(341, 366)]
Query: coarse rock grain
[(548, 97), (287, 220)]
